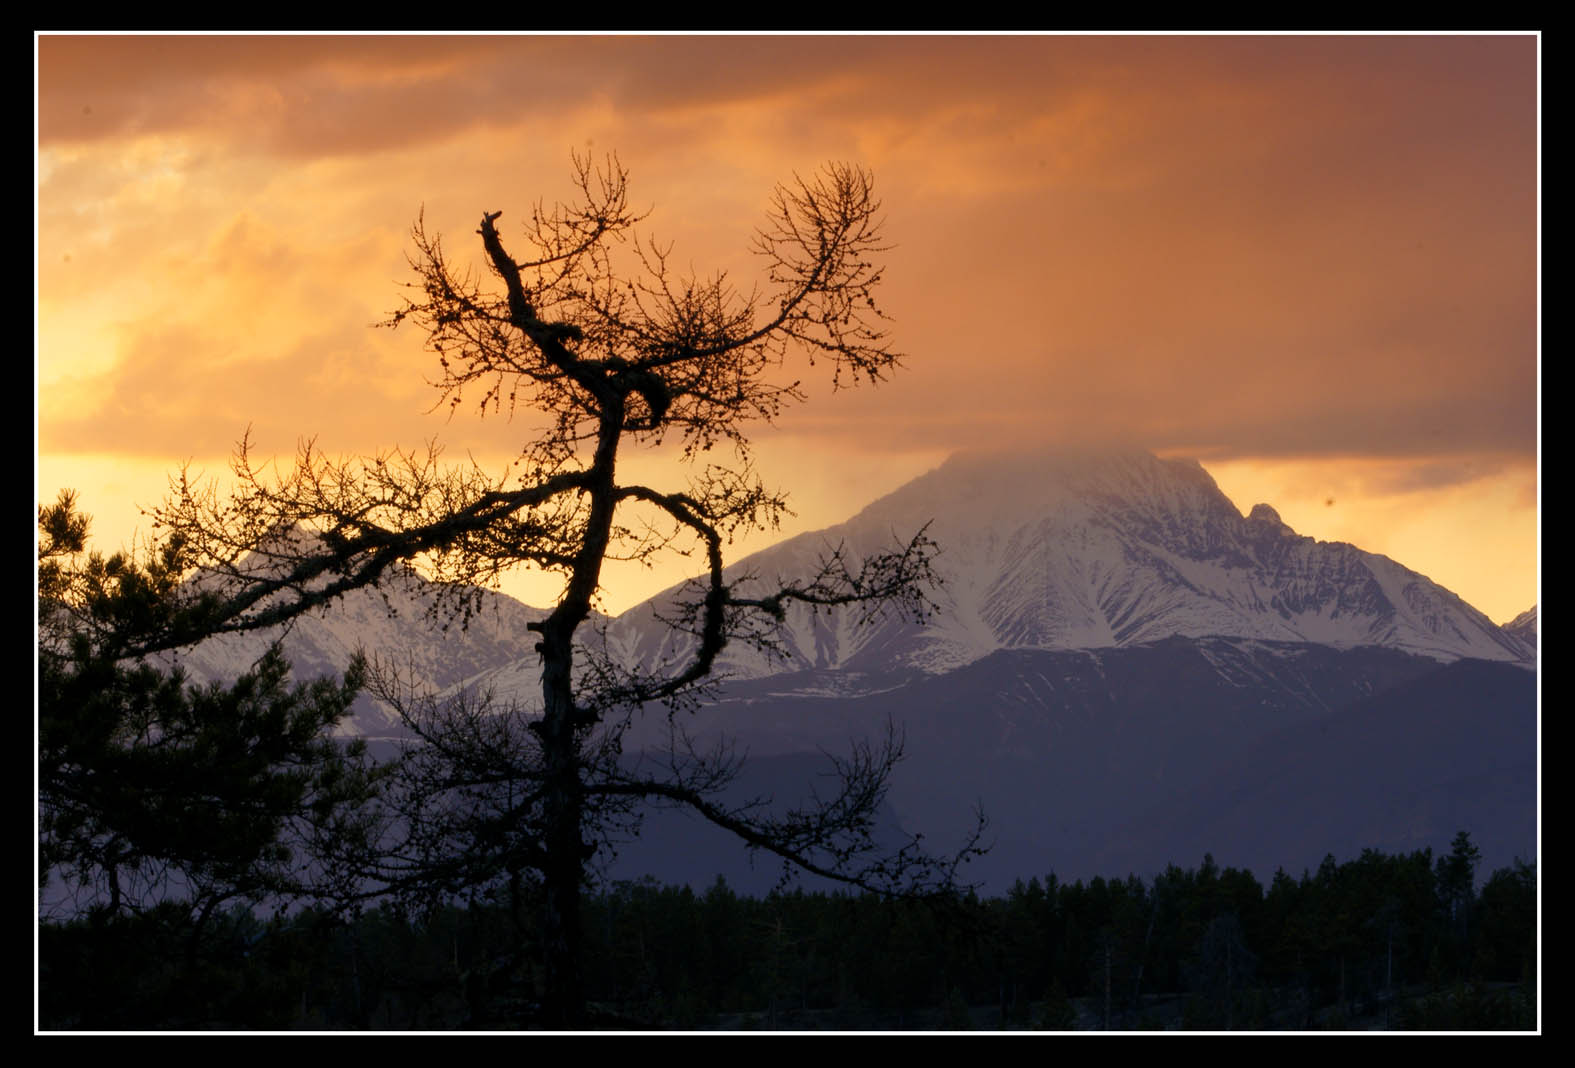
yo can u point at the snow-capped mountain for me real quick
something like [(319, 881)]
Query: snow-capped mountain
[(1114, 639), (1086, 551), (1051, 552)]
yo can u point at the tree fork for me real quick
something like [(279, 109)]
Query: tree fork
[(573, 334)]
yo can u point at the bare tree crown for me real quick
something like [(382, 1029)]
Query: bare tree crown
[(594, 328), (596, 321)]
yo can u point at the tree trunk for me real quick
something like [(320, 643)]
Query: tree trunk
[(564, 804), (563, 869)]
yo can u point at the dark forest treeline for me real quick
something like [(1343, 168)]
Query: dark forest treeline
[(1407, 941)]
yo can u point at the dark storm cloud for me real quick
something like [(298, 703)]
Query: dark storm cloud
[(1286, 246)]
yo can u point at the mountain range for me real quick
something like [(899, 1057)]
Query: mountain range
[(1089, 551), (1121, 664)]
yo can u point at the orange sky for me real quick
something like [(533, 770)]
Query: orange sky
[(1311, 262)]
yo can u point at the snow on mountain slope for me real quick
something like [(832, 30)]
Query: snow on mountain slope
[(1091, 550), (1062, 551), (401, 624), (1524, 626)]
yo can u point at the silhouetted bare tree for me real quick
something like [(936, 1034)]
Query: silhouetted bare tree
[(597, 330)]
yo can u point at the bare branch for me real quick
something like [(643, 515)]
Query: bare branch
[(596, 329)]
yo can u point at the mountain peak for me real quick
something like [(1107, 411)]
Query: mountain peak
[(1087, 548), (996, 487), (1264, 513)]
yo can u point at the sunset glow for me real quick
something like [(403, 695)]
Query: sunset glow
[(1312, 263)]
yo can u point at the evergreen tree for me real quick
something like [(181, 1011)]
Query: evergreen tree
[(1457, 879), (1456, 882), (154, 790), (1506, 925)]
